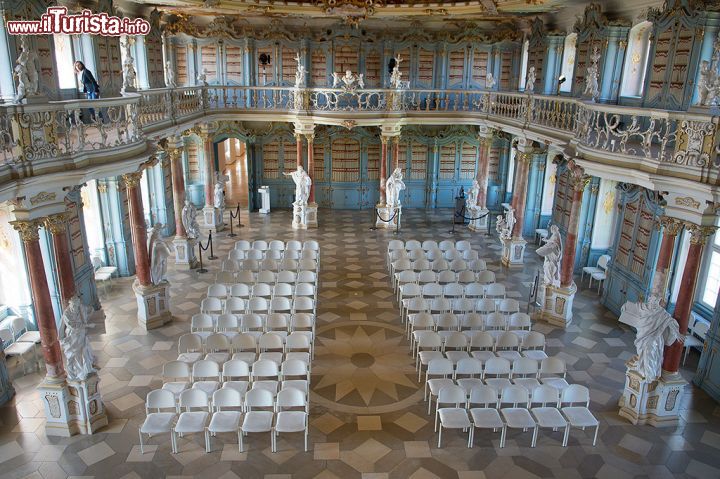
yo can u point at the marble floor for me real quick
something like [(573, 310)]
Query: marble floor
[(368, 419)]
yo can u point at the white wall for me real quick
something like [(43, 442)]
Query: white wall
[(14, 286), (604, 215), (568, 62), (549, 187)]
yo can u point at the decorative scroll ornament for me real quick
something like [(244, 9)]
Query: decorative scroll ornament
[(349, 124), (695, 133), (42, 197), (351, 11), (349, 82), (28, 230), (26, 72), (688, 201), (591, 80)]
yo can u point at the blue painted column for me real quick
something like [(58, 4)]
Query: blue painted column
[(587, 220), (707, 376), (612, 63), (116, 223), (533, 205), (160, 189)]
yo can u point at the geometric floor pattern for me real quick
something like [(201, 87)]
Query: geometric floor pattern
[(367, 419)]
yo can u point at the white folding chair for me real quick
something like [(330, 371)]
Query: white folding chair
[(227, 406), (454, 417), (236, 375), (178, 377), (206, 376), (486, 416), (547, 414), (217, 349), (161, 421), (190, 348), (516, 416), (259, 404), (578, 416), (194, 418), (293, 420)]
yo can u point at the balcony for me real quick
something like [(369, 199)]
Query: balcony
[(46, 138)]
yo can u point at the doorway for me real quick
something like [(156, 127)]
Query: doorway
[(232, 161)]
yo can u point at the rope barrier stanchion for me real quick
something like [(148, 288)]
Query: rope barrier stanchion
[(232, 217), (397, 225), (212, 255), (202, 248), (461, 214)]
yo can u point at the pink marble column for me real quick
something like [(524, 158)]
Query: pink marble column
[(383, 168), (686, 295), (396, 152), (483, 169), (671, 228), (311, 166), (178, 184), (42, 303), (299, 148), (56, 225), (520, 192), (138, 228), (579, 181)]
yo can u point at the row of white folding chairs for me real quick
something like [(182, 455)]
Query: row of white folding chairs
[(230, 278), (494, 323), (429, 345), (460, 306), (265, 290), (456, 265), (428, 245), (226, 412), (486, 287), (477, 338), (230, 324), (277, 245), (220, 347), (255, 265), (544, 407), (259, 305), (278, 255), (433, 255)]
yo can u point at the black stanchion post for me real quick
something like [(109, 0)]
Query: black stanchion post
[(237, 211), (212, 255), (237, 215), (375, 213), (397, 221), (200, 250)]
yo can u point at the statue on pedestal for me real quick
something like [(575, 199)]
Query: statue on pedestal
[(169, 76), (709, 82), (202, 77), (471, 202), (393, 186), (302, 185), (655, 330), (79, 357), (490, 81), (159, 253), (299, 73), (129, 74), (396, 75), (189, 220), (552, 251), (530, 83), (26, 72), (591, 80), (505, 224)]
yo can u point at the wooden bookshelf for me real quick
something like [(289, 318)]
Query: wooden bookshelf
[(318, 68), (208, 53), (373, 152), (271, 160), (468, 160), (418, 161), (181, 69), (234, 64), (447, 162), (345, 160)]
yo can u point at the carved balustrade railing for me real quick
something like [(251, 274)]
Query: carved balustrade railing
[(30, 133)]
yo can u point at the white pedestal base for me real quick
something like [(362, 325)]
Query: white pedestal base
[(153, 304), (386, 212), (55, 396), (480, 224), (513, 251), (264, 200), (557, 304), (86, 407), (213, 218), (304, 216), (656, 403), (185, 252)]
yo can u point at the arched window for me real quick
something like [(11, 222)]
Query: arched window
[(65, 62), (636, 60), (523, 64), (568, 62)]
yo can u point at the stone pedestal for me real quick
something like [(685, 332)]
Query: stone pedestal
[(264, 200), (7, 391), (386, 212), (513, 251), (557, 304), (153, 304), (56, 397), (86, 407), (480, 224), (213, 218), (185, 252), (656, 403), (304, 216)]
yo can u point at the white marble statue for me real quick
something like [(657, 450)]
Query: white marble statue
[(159, 253), (530, 82), (169, 76), (299, 73), (26, 72), (219, 195), (490, 81), (349, 81), (393, 186), (396, 75), (129, 73), (471, 200), (655, 330), (591, 79), (202, 77), (336, 80), (79, 357), (189, 220), (302, 185), (552, 251), (505, 224)]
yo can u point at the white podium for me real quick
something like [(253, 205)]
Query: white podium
[(264, 200)]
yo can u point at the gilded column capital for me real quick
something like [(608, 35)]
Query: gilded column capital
[(384, 139), (699, 234), (174, 154), (485, 140), (57, 223), (395, 140), (298, 137), (524, 157), (310, 137), (28, 229), (132, 180), (672, 226)]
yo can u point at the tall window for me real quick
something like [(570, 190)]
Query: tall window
[(64, 60), (523, 64), (636, 60), (568, 62), (710, 287)]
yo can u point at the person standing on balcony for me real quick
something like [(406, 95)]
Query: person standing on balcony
[(90, 85)]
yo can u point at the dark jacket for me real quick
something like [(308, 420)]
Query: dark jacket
[(89, 83)]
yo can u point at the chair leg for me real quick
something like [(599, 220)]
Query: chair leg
[(534, 437), (440, 436), (597, 429), (687, 350), (470, 436), (565, 435), (174, 441), (141, 443), (207, 441), (503, 433), (240, 442)]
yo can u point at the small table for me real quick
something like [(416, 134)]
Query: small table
[(540, 234), (105, 273)]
